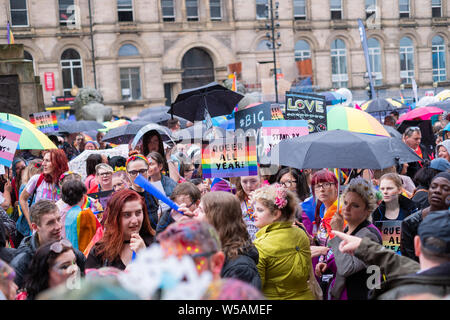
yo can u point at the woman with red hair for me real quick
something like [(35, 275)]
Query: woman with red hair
[(127, 231), (44, 185)]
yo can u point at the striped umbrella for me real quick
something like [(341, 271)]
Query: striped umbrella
[(350, 119), (443, 95), (380, 105), (31, 138)]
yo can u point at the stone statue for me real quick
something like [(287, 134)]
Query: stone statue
[(89, 106), (240, 88)]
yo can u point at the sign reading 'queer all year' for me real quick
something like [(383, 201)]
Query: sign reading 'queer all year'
[(391, 234), (309, 107), (224, 158), (9, 139), (273, 131), (46, 122)]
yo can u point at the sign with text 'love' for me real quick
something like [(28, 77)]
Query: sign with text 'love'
[(9, 139), (309, 107)]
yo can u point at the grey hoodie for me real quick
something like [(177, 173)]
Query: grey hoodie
[(446, 144)]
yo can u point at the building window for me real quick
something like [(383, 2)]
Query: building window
[(438, 56), (406, 60), (302, 51), (125, 10), (128, 50), (339, 75), (66, 10), (72, 70), (300, 9), (262, 9), (28, 56), (264, 45), (403, 6), (336, 9), (375, 60), (130, 83), (168, 10), (215, 7), (192, 10), (371, 8), (19, 16), (436, 8)]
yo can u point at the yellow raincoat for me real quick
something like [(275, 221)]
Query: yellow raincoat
[(284, 262)]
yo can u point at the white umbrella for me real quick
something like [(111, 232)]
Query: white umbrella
[(78, 164)]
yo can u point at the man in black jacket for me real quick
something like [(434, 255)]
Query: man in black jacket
[(47, 227), (412, 138), (438, 193), (405, 278)]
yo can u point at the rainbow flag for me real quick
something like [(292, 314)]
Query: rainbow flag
[(46, 122), (9, 34)]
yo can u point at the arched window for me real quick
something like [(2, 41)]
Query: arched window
[(375, 60), (339, 75), (72, 70), (198, 68), (302, 50), (406, 60), (438, 56), (264, 45), (28, 56), (128, 50)]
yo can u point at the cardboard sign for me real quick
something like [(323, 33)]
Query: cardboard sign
[(273, 131), (391, 234), (310, 107), (222, 158), (102, 197), (253, 117), (46, 122), (9, 139)]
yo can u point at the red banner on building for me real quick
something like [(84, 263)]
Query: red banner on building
[(49, 79)]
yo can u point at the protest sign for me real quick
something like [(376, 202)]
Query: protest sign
[(9, 139), (102, 197), (276, 112), (222, 158), (391, 233), (253, 117), (310, 107), (46, 122), (273, 131)]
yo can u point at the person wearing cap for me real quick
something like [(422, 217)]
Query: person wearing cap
[(438, 193), (440, 164), (404, 276)]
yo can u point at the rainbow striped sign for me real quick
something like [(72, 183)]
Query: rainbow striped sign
[(9, 139), (224, 158), (46, 122)]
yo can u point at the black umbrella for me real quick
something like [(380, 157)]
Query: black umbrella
[(71, 126), (124, 134), (380, 105), (152, 110), (218, 100), (161, 117), (340, 149), (393, 132)]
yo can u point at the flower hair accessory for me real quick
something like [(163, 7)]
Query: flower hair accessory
[(120, 169), (280, 199), (65, 174)]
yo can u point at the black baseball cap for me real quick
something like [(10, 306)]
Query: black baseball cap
[(436, 225)]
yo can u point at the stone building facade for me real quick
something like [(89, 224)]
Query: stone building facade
[(147, 51)]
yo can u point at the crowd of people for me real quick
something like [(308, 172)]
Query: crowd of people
[(296, 234)]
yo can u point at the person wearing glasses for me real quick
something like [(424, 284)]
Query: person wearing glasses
[(47, 227), (53, 264), (127, 230), (120, 180), (412, 137), (103, 174), (223, 211), (187, 196), (137, 164), (284, 263), (160, 181)]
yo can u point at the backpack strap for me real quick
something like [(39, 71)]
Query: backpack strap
[(38, 183)]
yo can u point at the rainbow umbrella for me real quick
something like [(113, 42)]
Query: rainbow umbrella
[(31, 138), (350, 119), (422, 113)]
